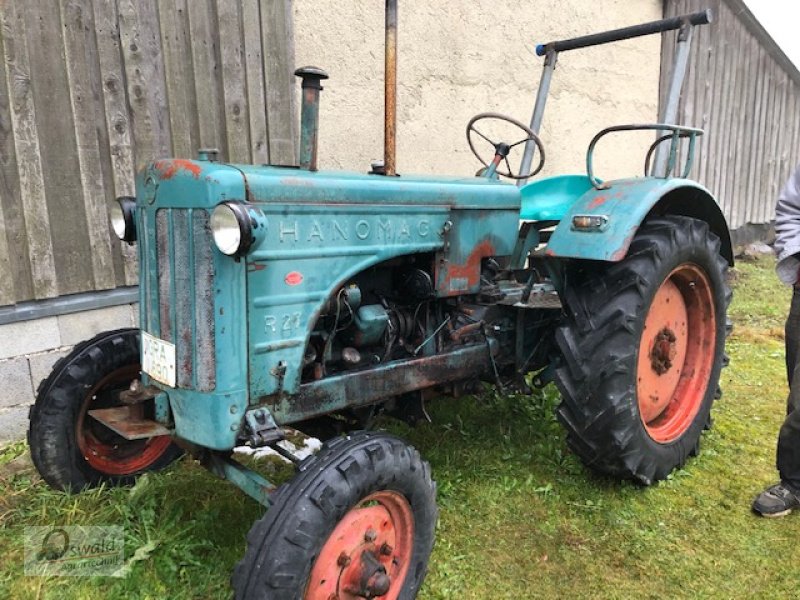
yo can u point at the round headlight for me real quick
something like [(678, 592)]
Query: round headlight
[(230, 226), (122, 213)]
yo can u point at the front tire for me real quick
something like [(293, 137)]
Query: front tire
[(361, 512), (643, 346), (70, 450)]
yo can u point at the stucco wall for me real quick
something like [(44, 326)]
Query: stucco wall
[(459, 58)]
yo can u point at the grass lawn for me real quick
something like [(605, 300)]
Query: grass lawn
[(520, 516)]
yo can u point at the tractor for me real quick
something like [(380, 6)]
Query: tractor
[(279, 298)]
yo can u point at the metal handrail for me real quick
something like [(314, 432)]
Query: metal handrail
[(595, 39), (678, 132)]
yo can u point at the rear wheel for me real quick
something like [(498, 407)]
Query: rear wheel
[(69, 448), (643, 346)]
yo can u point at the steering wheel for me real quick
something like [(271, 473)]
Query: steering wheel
[(502, 149)]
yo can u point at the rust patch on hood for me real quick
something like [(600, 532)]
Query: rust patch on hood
[(471, 270), (167, 169)]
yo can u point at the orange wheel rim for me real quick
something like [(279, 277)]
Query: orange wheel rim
[(106, 451), (368, 553), (676, 353)]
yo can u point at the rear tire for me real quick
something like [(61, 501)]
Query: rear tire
[(643, 346), (70, 450), (314, 535)]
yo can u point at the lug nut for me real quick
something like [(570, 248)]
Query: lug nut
[(370, 535), (386, 549), (343, 560)]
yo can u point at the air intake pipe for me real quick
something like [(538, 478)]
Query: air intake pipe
[(309, 115)]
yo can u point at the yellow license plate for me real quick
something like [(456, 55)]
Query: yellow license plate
[(158, 359)]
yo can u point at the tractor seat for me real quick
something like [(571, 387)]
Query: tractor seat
[(550, 198)]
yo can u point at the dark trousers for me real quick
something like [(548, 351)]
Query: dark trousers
[(788, 455)]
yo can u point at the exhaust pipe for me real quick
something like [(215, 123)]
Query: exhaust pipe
[(390, 93), (309, 115)]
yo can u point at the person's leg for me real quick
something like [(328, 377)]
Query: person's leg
[(788, 452), (792, 337), (782, 498)]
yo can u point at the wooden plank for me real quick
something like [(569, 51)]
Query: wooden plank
[(723, 77), (773, 109), (667, 56), (117, 121), (278, 51), (234, 83), (202, 25), (737, 87), (15, 272), (779, 128), (714, 127), (144, 73), (254, 71), (701, 43), (9, 190), (687, 113), (78, 25), (175, 40), (56, 123), (26, 146), (7, 291), (756, 174), (727, 116), (757, 85), (706, 154)]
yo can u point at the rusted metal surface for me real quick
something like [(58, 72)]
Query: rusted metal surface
[(471, 269), (366, 387), (247, 480), (309, 115), (168, 168), (185, 301), (461, 332), (138, 393), (390, 110), (127, 421)]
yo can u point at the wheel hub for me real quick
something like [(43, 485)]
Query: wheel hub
[(367, 554), (105, 450), (676, 353), (664, 351)]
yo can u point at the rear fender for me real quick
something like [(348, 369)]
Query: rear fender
[(626, 204)]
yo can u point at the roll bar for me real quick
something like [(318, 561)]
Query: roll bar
[(625, 33), (683, 23)]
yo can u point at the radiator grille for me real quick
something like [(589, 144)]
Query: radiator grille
[(185, 300)]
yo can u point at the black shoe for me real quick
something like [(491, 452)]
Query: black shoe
[(776, 501)]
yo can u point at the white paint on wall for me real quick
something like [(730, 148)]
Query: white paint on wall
[(457, 59)]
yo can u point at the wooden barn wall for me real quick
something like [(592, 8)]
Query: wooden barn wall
[(746, 96), (91, 90)]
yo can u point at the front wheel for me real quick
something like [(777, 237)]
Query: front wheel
[(643, 346), (70, 449), (356, 522)]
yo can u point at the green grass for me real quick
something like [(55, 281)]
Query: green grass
[(520, 516)]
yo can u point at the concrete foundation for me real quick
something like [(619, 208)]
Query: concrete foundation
[(29, 349)]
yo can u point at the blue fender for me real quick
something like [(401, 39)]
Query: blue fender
[(625, 204)]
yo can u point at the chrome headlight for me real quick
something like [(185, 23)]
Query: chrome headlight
[(232, 228), (122, 214)]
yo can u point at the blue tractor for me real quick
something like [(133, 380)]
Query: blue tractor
[(275, 298)]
